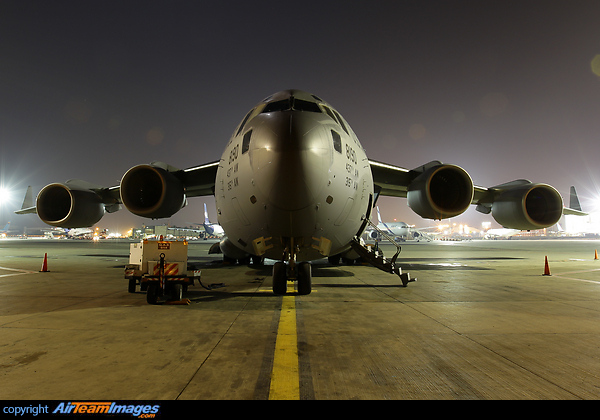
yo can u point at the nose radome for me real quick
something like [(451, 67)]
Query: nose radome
[(291, 168)]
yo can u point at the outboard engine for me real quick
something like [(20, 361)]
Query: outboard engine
[(69, 206), (527, 207)]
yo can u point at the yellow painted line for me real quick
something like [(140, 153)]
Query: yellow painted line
[(285, 376)]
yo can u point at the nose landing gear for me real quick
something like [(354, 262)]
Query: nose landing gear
[(301, 272)]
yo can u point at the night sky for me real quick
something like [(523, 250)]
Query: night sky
[(505, 89)]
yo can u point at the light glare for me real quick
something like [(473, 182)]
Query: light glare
[(5, 195)]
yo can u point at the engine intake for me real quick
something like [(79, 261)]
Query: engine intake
[(153, 192), (69, 207), (527, 207), (440, 192)]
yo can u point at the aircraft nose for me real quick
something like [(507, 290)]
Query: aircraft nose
[(291, 161)]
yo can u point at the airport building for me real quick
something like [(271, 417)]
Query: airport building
[(169, 232)]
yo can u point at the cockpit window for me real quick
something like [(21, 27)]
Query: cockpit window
[(246, 142), (335, 116), (291, 104), (244, 122), (337, 141), (339, 117), (277, 106), (301, 105), (328, 111)]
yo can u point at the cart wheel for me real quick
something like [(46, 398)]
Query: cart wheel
[(132, 283), (177, 292), (152, 294)]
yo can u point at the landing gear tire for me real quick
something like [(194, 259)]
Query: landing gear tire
[(304, 277), (279, 278)]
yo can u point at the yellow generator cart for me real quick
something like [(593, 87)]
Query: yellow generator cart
[(161, 269)]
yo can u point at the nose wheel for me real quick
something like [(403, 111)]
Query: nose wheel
[(301, 272)]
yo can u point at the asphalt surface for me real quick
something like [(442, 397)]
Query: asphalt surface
[(481, 322)]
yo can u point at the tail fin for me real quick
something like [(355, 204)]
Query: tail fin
[(206, 221), (382, 223), (208, 227), (574, 200)]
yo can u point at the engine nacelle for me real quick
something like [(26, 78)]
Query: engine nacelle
[(69, 206), (150, 191), (528, 207), (440, 192)]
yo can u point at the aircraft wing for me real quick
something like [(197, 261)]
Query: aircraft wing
[(197, 181), (395, 181), (200, 180), (390, 180), (436, 190), (485, 197), (83, 198)]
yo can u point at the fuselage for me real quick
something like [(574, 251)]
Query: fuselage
[(400, 229), (294, 180)]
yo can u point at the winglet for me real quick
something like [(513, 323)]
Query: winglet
[(574, 200), (574, 206), (28, 205)]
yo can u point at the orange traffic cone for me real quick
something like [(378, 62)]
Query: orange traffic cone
[(596, 254), (547, 268), (44, 264)]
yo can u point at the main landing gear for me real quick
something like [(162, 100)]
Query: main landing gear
[(302, 273)]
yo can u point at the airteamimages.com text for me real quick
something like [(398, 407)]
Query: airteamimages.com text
[(135, 410)]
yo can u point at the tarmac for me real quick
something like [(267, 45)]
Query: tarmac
[(482, 322)]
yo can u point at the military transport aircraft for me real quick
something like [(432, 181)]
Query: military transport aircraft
[(294, 184)]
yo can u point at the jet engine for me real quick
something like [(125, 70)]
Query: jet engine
[(440, 191), (527, 207), (69, 206), (151, 191)]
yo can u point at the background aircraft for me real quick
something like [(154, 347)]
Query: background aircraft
[(213, 229), (294, 184), (6, 230), (398, 231)]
